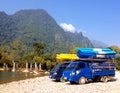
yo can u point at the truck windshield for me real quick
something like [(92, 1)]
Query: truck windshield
[(60, 66), (71, 66), (63, 66), (56, 67)]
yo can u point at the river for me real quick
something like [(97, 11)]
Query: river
[(9, 76)]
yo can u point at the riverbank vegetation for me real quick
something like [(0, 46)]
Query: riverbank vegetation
[(17, 56)]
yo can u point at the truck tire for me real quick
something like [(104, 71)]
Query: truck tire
[(82, 80), (104, 79), (61, 80)]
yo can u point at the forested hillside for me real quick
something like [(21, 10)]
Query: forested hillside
[(37, 25)]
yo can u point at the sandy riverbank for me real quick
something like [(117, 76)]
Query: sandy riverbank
[(45, 85)]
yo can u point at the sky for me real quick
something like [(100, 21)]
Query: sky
[(96, 19)]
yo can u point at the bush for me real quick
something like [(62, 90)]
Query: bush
[(117, 63)]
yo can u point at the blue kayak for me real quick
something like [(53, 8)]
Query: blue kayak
[(95, 52)]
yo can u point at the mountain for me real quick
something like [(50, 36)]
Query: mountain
[(7, 27), (98, 44), (37, 25)]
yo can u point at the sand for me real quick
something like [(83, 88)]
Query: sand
[(46, 85)]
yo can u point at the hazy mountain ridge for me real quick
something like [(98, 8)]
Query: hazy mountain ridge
[(99, 44)]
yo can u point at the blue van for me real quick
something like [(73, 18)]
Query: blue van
[(80, 71), (57, 71)]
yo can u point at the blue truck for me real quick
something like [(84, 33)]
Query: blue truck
[(80, 71), (57, 71), (97, 65)]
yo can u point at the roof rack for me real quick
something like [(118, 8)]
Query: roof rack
[(94, 59)]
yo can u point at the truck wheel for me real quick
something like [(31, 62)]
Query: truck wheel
[(104, 78), (61, 80), (82, 80)]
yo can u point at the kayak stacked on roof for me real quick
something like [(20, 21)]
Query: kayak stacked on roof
[(95, 53)]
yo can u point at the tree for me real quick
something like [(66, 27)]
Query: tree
[(4, 60), (0, 56), (17, 49), (48, 61), (31, 57), (37, 59), (4, 56), (38, 52), (115, 48), (117, 61), (27, 58), (38, 48)]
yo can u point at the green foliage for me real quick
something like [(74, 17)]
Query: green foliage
[(28, 56), (0, 56), (48, 62), (37, 59), (5, 54), (117, 62), (5, 59), (17, 49), (38, 48), (115, 48)]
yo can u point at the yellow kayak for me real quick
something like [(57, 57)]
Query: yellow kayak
[(67, 57)]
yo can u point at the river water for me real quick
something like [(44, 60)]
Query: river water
[(9, 76)]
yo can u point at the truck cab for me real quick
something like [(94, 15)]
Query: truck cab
[(80, 71), (75, 70), (57, 71)]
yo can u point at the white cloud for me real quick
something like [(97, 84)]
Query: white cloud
[(68, 27), (71, 28), (86, 33)]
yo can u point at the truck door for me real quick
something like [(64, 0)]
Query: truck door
[(84, 70)]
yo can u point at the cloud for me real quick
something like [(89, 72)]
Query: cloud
[(86, 33), (68, 27), (71, 28)]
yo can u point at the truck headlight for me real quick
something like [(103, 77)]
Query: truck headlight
[(73, 74), (55, 73), (77, 72)]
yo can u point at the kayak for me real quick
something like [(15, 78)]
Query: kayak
[(67, 57), (95, 52)]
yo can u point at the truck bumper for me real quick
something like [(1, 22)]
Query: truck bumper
[(74, 78)]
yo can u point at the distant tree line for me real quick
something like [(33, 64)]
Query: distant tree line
[(16, 55)]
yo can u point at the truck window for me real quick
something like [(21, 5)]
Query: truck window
[(56, 67), (71, 66), (80, 65), (63, 66)]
